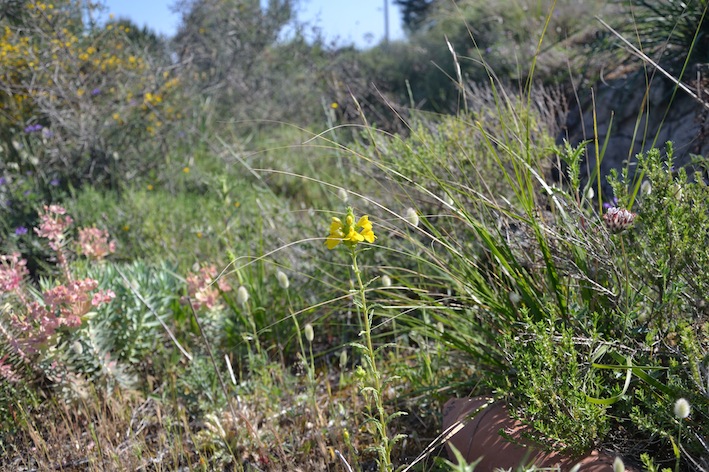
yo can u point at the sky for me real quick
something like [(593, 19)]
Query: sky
[(343, 21)]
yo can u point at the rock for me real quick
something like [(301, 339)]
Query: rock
[(619, 102), (480, 438)]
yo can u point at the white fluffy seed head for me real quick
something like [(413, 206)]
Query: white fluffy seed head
[(515, 298), (343, 359), (386, 281), (342, 194), (590, 193), (282, 278), (242, 296), (411, 216), (309, 333), (682, 408), (618, 465)]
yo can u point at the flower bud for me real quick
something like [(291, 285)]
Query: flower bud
[(242, 296), (309, 334), (283, 281), (386, 281), (342, 194), (411, 216), (682, 408)]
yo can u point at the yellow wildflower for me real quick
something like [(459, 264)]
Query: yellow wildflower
[(349, 232)]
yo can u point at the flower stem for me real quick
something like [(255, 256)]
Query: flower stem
[(375, 377)]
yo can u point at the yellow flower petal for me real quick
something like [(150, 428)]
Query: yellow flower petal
[(336, 234), (335, 225), (364, 222), (354, 237), (368, 235), (332, 243)]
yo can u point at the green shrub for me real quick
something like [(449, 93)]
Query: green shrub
[(590, 326)]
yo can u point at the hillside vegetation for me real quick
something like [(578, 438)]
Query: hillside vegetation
[(245, 248)]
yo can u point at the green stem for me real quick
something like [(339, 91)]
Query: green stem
[(385, 451), (679, 439)]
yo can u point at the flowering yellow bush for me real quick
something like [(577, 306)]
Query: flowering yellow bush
[(73, 94)]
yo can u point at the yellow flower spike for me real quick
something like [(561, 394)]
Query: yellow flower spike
[(348, 233)]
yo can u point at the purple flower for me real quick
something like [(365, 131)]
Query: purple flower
[(33, 128), (54, 182), (611, 204), (47, 133), (20, 230), (96, 91), (3, 181), (27, 193)]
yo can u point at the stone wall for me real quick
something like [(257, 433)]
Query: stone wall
[(637, 118)]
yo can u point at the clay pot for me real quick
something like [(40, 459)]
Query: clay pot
[(480, 438)]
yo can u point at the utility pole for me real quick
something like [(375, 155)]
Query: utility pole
[(386, 21)]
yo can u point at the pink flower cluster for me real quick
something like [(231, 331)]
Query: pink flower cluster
[(12, 272), (64, 305), (94, 243), (202, 290), (619, 219), (53, 224), (67, 303)]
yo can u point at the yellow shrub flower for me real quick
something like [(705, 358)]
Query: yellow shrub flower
[(349, 232)]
